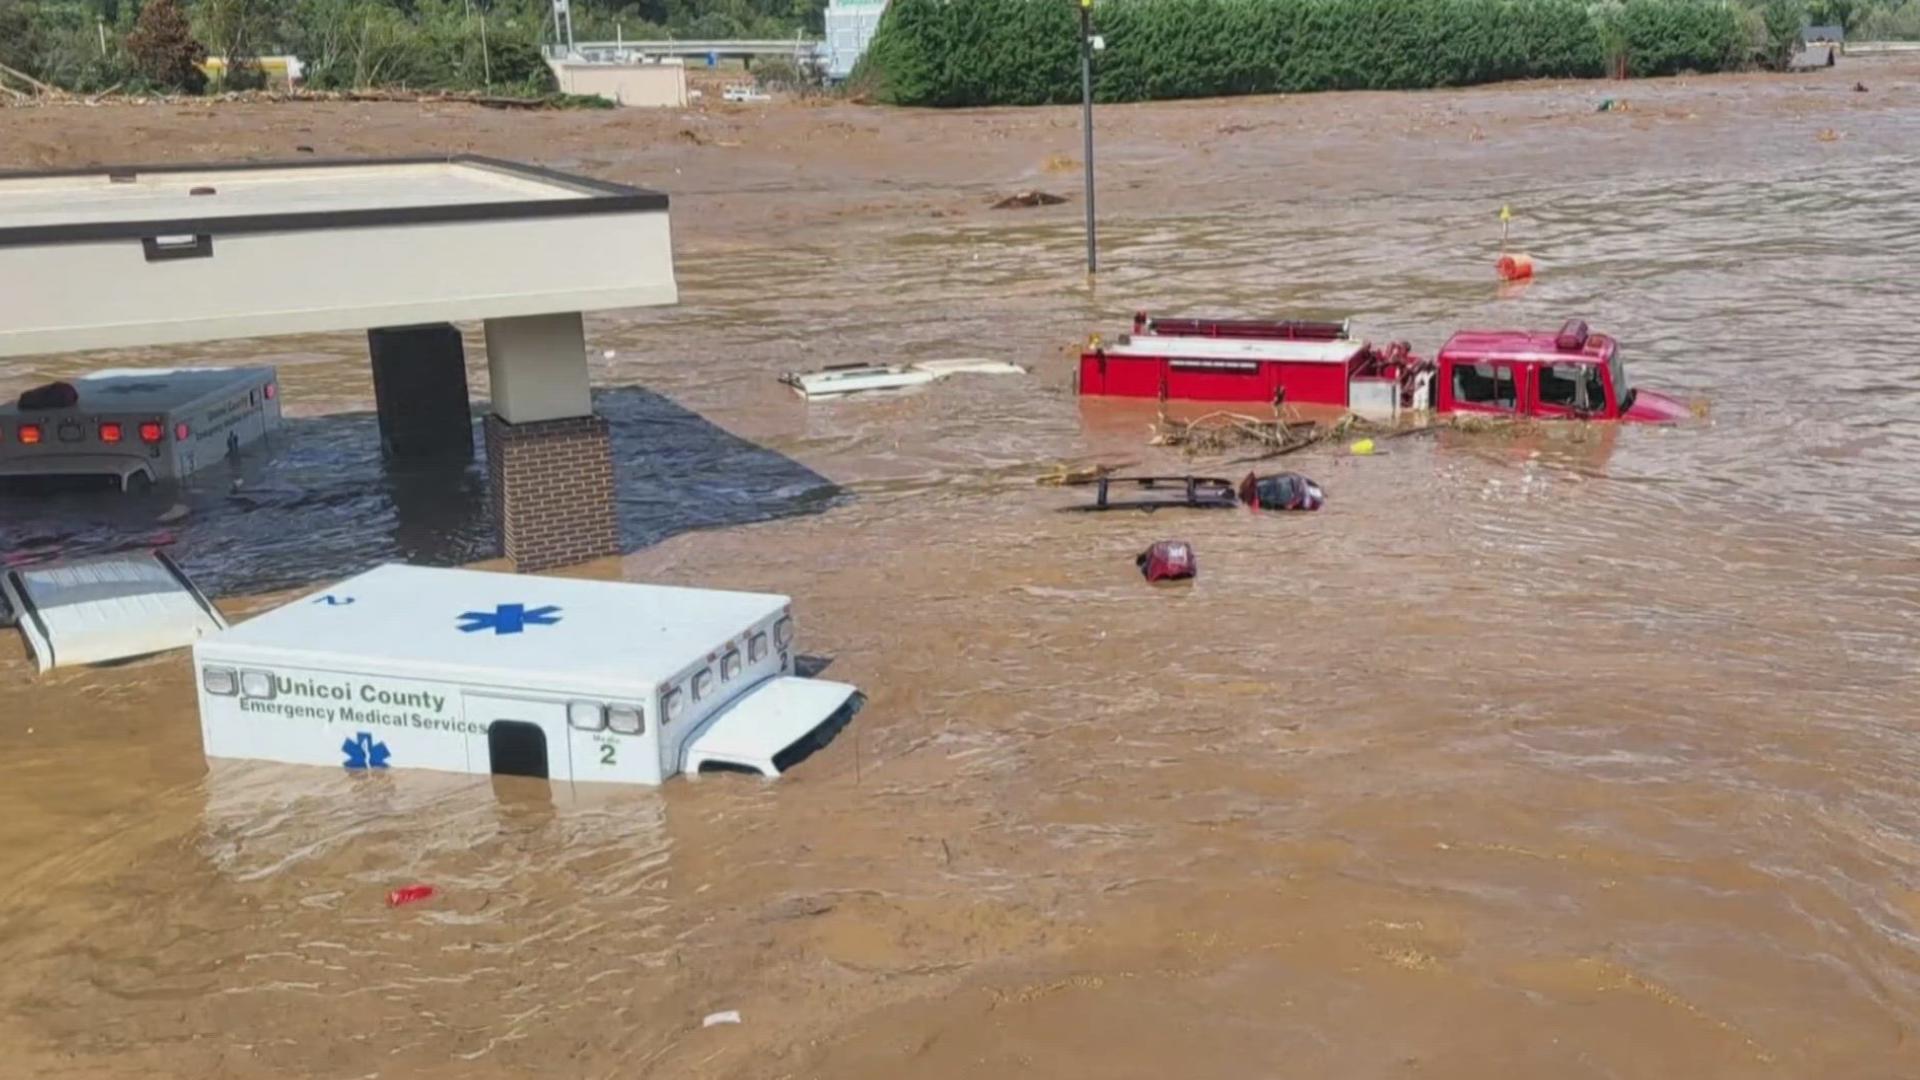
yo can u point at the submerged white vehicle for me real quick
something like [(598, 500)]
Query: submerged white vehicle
[(840, 380), (130, 428), (104, 608), (475, 672)]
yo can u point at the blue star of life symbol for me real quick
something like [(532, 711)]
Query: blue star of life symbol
[(363, 753), (508, 618)]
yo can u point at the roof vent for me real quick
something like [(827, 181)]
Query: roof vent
[(1572, 336)]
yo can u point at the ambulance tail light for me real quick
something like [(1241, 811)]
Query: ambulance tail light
[(271, 391), (672, 704), (220, 681), (29, 434), (110, 431), (757, 649), (180, 432), (152, 432), (625, 719), (783, 632), (587, 715), (730, 666), (703, 684)]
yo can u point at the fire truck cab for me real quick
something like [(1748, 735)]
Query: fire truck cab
[(1572, 374)]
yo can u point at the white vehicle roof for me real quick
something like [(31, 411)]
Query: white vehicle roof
[(754, 728), (152, 390), (87, 611), (499, 629), (1205, 348)]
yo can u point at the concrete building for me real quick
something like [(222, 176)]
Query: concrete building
[(850, 25), (629, 79)]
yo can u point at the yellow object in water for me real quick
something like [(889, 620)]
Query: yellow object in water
[(1361, 447)]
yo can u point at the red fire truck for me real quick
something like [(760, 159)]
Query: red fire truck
[(1571, 374)]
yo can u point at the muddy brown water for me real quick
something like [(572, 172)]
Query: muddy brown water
[(1580, 753)]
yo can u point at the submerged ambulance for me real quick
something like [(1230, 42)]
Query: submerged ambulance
[(468, 671), (127, 429)]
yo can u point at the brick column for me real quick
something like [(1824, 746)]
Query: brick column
[(550, 489)]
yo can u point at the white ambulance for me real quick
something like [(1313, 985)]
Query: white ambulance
[(130, 428), (468, 671)]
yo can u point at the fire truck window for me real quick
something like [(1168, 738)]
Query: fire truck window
[(1484, 384), (1560, 386), (1573, 386)]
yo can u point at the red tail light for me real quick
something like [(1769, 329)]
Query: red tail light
[(109, 431), (180, 433), (29, 434), (152, 432), (270, 391)]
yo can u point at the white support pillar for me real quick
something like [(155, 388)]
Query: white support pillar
[(538, 365)]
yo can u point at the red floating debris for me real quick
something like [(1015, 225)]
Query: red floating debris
[(408, 894), (1514, 267), (1168, 560)]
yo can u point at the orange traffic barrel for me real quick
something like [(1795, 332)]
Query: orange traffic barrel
[(1515, 267)]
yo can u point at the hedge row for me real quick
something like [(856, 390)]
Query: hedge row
[(1027, 52)]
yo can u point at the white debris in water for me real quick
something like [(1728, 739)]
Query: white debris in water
[(731, 1016)]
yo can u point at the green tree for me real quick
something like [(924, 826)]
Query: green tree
[(1785, 20), (237, 29)]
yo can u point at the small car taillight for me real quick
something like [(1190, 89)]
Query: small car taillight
[(220, 681), (587, 715), (109, 431), (625, 719), (152, 432), (29, 434), (180, 433), (270, 391)]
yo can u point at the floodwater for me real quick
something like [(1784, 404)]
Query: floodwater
[(1585, 752)]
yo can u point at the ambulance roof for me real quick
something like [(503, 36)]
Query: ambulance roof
[(117, 390), (498, 629)]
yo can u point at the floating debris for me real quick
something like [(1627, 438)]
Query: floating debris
[(1028, 198)]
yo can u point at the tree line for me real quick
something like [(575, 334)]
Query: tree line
[(1027, 52), (87, 46)]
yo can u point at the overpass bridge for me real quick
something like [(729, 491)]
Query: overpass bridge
[(799, 49)]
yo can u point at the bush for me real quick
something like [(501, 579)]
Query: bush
[(1027, 52), (164, 50)]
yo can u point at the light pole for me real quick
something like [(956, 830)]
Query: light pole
[(1086, 121)]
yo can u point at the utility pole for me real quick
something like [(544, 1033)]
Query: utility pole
[(1086, 122)]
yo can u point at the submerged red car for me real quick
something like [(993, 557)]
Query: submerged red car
[(1569, 374)]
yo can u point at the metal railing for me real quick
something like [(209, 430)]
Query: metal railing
[(627, 51)]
